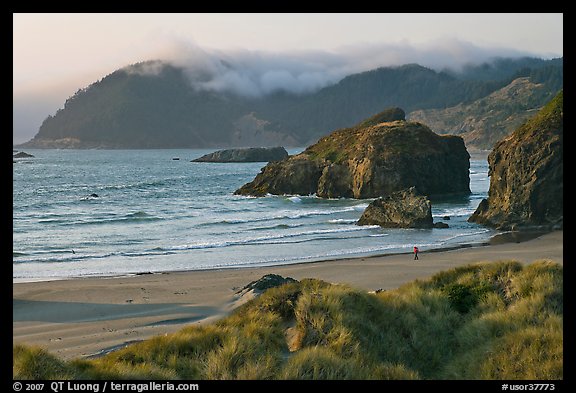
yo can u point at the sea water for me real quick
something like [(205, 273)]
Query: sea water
[(113, 212)]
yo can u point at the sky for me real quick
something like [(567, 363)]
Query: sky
[(56, 54)]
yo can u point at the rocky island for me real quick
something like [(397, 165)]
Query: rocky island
[(251, 154), (526, 175), (22, 154), (380, 155)]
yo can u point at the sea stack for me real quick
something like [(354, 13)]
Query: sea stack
[(400, 209), (527, 176), (378, 156)]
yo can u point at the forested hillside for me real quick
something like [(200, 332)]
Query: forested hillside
[(136, 108)]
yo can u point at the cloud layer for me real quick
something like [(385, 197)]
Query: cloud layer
[(258, 73)]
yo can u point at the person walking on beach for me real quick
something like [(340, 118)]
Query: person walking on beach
[(415, 252)]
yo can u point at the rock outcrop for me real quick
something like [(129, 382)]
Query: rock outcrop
[(22, 154), (258, 287), (266, 282), (400, 209), (526, 175), (380, 155), (251, 154)]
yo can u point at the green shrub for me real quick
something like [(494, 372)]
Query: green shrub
[(461, 297)]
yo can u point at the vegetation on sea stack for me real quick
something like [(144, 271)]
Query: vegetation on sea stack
[(499, 320), (527, 174)]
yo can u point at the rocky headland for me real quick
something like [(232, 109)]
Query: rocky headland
[(526, 175), (251, 154), (156, 104), (485, 121)]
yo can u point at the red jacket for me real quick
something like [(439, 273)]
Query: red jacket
[(415, 249)]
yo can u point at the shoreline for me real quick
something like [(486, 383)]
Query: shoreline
[(84, 317), (500, 238)]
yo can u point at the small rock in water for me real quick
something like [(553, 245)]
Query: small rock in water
[(22, 155)]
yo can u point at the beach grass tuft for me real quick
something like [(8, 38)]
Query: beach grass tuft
[(497, 320)]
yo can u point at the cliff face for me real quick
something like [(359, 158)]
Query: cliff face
[(526, 174), (380, 155)]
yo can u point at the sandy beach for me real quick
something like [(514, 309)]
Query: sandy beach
[(88, 316)]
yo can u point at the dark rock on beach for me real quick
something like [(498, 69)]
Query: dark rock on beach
[(378, 156), (266, 282), (258, 287), (401, 209), (252, 154), (527, 176)]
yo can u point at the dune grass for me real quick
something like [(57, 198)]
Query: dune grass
[(499, 320)]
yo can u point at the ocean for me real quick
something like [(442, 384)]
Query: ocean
[(79, 213)]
